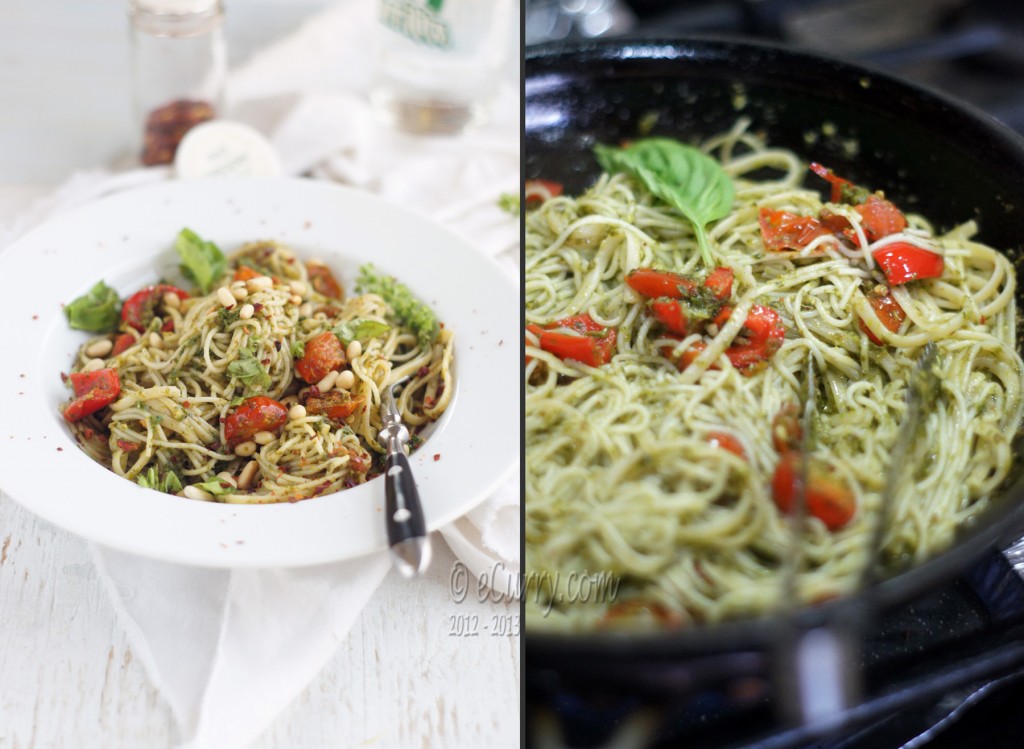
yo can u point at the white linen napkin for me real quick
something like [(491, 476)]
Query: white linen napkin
[(229, 649)]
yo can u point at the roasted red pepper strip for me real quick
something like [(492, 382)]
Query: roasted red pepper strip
[(782, 230), (139, 308), (887, 310), (323, 353), (670, 313), (728, 442), (843, 191), (122, 343), (827, 497), (589, 343), (719, 283), (654, 284), (764, 331), (256, 414), (336, 405), (686, 358), (539, 190), (323, 281), (902, 262), (93, 391), (880, 218)]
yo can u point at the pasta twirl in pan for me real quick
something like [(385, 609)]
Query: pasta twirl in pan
[(262, 386), (671, 312)]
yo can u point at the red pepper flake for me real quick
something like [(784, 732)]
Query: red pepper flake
[(22, 375), (437, 457), (35, 317), (60, 449), (167, 125), (257, 307), (186, 404), (423, 371), (501, 341)]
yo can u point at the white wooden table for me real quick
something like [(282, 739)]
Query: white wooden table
[(67, 675)]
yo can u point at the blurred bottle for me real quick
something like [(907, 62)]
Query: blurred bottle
[(439, 62), (179, 68)]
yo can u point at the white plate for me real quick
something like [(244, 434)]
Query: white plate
[(127, 240)]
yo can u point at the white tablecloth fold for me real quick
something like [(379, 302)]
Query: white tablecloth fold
[(230, 649)]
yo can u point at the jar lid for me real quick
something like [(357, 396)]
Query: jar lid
[(222, 148), (175, 7)]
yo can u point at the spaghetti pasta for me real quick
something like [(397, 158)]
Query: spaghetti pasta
[(267, 388), (659, 462)]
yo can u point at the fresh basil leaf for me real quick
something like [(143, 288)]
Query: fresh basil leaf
[(202, 262), (298, 349), (681, 175), (215, 487), (360, 330), (97, 311), (408, 309), (248, 369)]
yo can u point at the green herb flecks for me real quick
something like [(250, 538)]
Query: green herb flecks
[(216, 487), (202, 262), (361, 330), (298, 349), (248, 369), (409, 310), (98, 311), (169, 483), (681, 175)]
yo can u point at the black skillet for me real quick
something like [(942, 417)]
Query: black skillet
[(929, 153)]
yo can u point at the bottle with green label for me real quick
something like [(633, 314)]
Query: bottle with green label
[(440, 62)]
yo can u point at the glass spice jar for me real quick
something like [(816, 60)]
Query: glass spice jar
[(178, 71)]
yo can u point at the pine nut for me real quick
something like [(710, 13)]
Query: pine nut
[(92, 365), (248, 474), (225, 297), (246, 312), (295, 299), (99, 348), (194, 492), (227, 478), (264, 437), (155, 340), (345, 380), (296, 412), (259, 283), (245, 449), (306, 310), (298, 287), (327, 382), (172, 300), (355, 348), (239, 292)]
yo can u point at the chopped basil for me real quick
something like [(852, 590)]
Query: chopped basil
[(298, 349), (360, 330), (216, 487), (409, 310), (248, 369), (151, 479), (202, 262), (228, 317), (98, 311)]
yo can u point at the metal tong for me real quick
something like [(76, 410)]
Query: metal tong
[(407, 530)]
